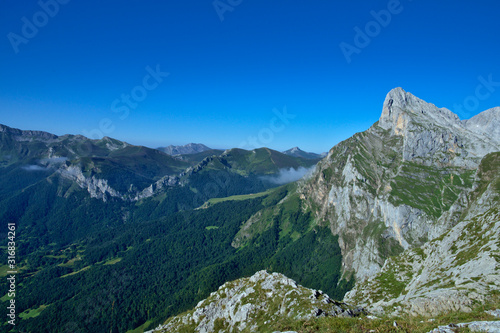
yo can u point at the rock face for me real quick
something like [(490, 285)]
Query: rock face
[(475, 326), (430, 134), (400, 183), (99, 188), (255, 304), (487, 122), (450, 272)]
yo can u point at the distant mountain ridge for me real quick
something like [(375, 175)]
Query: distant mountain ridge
[(89, 210), (187, 149), (108, 168), (297, 152)]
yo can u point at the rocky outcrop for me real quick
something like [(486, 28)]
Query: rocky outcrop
[(99, 188), (435, 135), (96, 187), (153, 189), (475, 326), (487, 123), (256, 304)]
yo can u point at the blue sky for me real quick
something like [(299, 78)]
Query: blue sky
[(247, 73)]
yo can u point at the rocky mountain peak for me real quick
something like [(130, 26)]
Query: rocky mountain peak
[(401, 106), (400, 176), (297, 152)]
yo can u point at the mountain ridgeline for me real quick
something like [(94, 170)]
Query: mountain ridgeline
[(93, 216), (188, 149), (114, 237)]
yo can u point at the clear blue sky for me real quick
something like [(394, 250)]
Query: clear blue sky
[(227, 76)]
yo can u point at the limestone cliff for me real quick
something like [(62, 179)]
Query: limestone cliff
[(451, 272), (100, 189)]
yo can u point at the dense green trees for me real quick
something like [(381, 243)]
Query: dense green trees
[(110, 267)]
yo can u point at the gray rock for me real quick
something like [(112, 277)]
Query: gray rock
[(487, 122), (495, 313), (100, 189), (475, 326), (239, 303)]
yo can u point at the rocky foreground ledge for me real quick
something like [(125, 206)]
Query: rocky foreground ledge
[(253, 304), (475, 326)]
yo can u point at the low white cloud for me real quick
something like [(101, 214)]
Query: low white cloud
[(46, 163), (33, 167), (289, 175)]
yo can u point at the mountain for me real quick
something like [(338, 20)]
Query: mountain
[(297, 152), (106, 168), (260, 161), (392, 187), (110, 168), (116, 237), (190, 148), (257, 303), (94, 215), (198, 157), (401, 186), (450, 272)]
